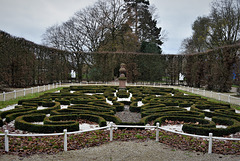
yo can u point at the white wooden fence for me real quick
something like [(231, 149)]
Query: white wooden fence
[(23, 92), (111, 127)]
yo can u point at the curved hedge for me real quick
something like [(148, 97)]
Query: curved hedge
[(58, 119), (234, 126), (24, 123), (159, 103)]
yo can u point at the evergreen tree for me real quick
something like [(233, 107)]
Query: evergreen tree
[(145, 26)]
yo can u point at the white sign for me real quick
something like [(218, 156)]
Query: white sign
[(73, 74), (181, 77)]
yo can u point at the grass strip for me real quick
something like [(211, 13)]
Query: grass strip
[(237, 107), (4, 104)]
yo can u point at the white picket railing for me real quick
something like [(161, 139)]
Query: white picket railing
[(218, 96), (23, 92), (111, 127)]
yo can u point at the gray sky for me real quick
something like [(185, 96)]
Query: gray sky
[(30, 18)]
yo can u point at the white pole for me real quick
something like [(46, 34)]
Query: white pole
[(111, 131), (32, 89), (219, 97), (38, 89), (211, 94), (15, 94), (157, 131), (65, 139), (6, 141), (48, 86), (44, 88), (4, 96), (210, 143), (24, 92)]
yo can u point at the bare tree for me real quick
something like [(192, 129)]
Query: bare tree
[(86, 31), (225, 23)]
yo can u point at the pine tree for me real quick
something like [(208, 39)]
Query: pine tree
[(144, 25)]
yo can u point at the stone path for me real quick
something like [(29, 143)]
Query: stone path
[(125, 151), (127, 116)]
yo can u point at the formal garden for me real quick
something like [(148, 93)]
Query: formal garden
[(37, 124), (77, 108)]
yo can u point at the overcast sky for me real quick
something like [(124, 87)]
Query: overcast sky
[(30, 18)]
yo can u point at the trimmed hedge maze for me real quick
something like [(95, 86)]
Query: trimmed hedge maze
[(62, 110)]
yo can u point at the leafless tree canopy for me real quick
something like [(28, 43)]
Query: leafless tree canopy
[(221, 27)]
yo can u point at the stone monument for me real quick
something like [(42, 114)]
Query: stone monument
[(122, 78)]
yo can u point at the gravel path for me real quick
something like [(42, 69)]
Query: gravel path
[(127, 116), (121, 151)]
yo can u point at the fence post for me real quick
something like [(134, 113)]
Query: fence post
[(157, 131), (229, 99), (15, 94), (210, 143), (24, 92), (44, 88), (53, 85), (6, 141), (219, 97), (111, 131), (65, 139), (211, 94), (204, 92), (4, 96), (38, 89), (48, 86), (192, 89), (32, 89)]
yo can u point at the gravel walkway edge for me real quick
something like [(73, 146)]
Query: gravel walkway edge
[(121, 151)]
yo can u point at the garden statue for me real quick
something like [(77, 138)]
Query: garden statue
[(122, 78)]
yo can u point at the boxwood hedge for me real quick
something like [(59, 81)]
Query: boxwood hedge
[(159, 104)]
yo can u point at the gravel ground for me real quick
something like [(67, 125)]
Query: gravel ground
[(121, 151), (127, 116)]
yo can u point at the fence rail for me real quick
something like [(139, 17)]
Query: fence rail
[(111, 127)]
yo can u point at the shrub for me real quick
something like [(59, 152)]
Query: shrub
[(134, 108), (24, 123), (119, 106), (63, 101), (23, 109), (123, 94), (1, 122)]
